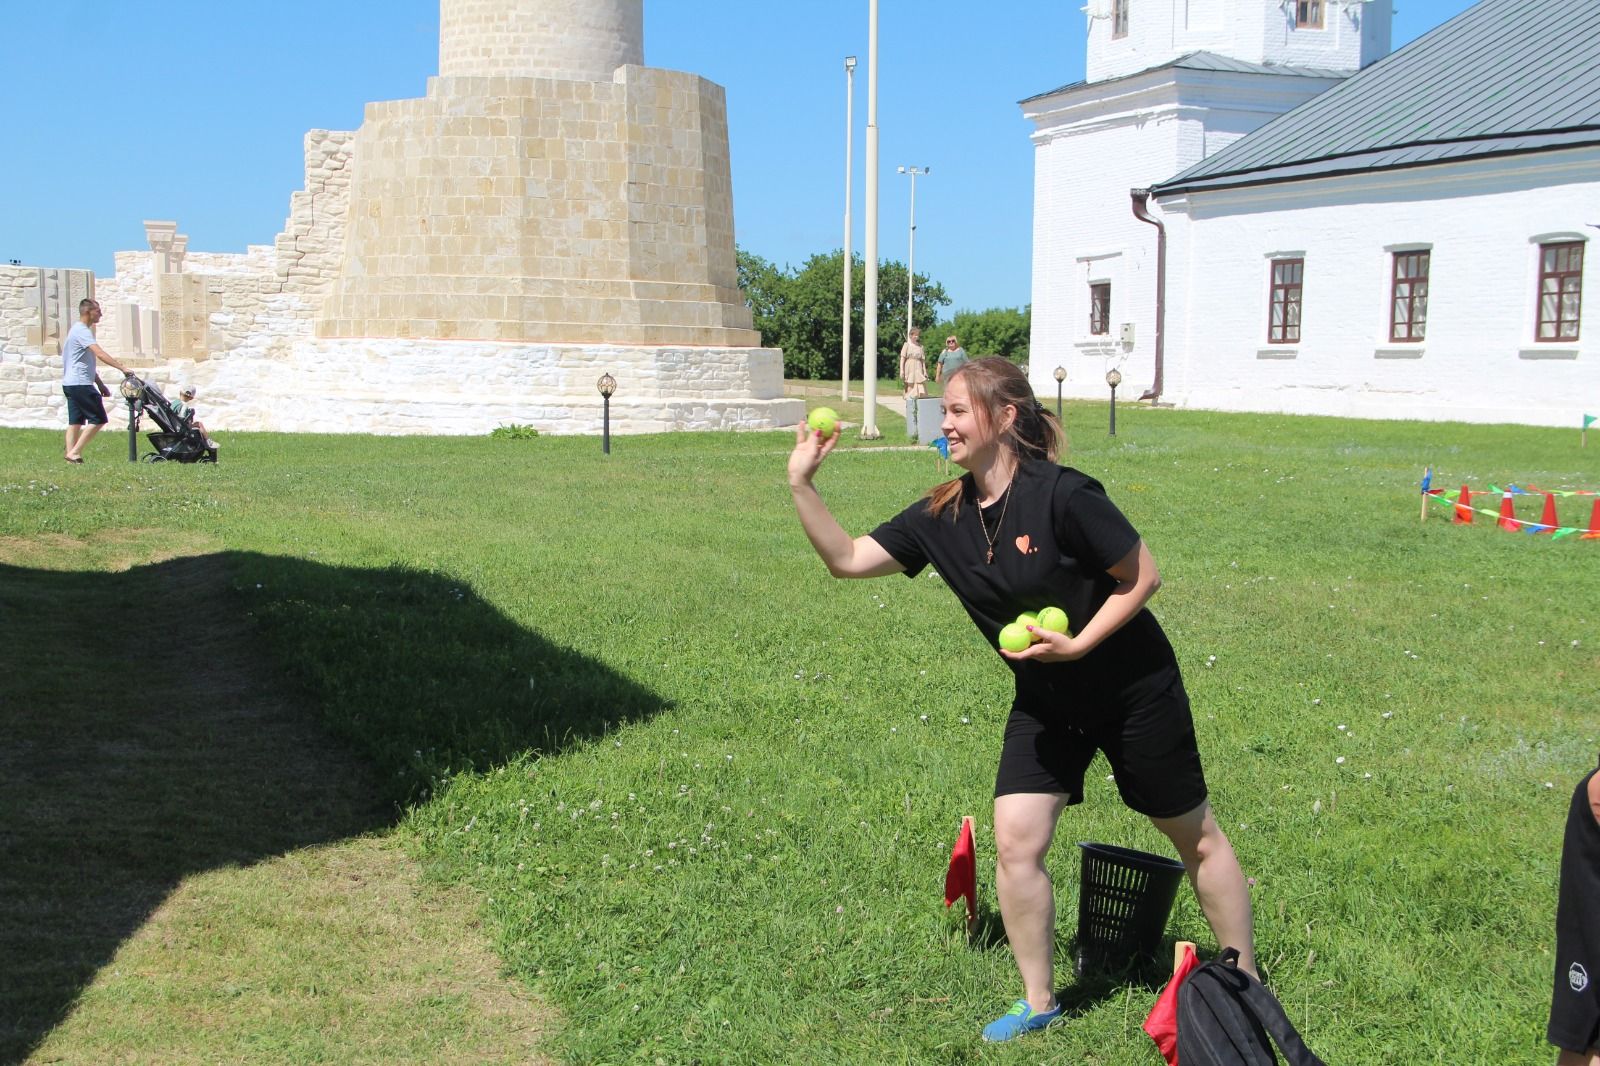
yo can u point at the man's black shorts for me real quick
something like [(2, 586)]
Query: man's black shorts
[(1575, 1002), (1150, 745), (84, 406)]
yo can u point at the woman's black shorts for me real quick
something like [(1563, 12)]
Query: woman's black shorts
[(84, 406), (1150, 745)]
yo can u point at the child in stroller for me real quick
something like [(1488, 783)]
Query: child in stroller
[(182, 439), (185, 412)]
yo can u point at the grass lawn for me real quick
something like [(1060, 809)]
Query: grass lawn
[(705, 793)]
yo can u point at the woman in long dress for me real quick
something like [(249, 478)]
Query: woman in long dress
[(914, 366)]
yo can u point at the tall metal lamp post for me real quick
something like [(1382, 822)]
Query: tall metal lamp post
[(607, 386), (1113, 378), (132, 390), (1060, 376), (911, 248), (849, 260)]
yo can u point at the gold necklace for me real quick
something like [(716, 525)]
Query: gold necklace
[(1006, 503)]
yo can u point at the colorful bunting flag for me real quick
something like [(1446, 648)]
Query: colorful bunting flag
[(1460, 504)]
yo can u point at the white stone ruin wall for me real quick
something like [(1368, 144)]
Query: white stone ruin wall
[(401, 386), (271, 289), (131, 287), (312, 242), (37, 308)]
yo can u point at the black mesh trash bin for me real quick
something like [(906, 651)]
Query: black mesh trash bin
[(1123, 904)]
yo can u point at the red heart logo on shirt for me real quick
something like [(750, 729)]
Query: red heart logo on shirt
[(1023, 542)]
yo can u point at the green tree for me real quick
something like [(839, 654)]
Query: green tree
[(799, 310), (764, 287), (998, 331)]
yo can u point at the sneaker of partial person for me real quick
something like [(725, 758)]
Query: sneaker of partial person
[(1020, 1019)]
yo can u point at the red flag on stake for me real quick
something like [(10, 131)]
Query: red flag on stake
[(1508, 514), (1463, 515), (962, 877), (1162, 1022)]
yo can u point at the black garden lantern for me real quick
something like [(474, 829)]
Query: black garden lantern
[(607, 386), (1113, 378), (132, 390)]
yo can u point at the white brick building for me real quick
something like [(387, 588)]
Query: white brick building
[(1345, 234)]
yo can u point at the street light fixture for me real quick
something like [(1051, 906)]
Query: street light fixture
[(849, 147), (1060, 376), (607, 386), (1113, 378), (132, 390), (911, 248)]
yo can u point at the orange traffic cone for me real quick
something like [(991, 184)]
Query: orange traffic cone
[(1547, 521), (1594, 524), (1508, 514), (1463, 516)]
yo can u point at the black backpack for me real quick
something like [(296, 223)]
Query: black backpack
[(1225, 1016)]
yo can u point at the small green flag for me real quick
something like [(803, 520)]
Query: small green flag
[(1589, 420)]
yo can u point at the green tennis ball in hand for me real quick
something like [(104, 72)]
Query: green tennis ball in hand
[(1015, 638), (1026, 619), (1054, 619), (824, 420)]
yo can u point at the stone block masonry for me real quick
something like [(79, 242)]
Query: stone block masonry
[(550, 210)]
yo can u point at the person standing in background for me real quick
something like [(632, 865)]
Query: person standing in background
[(914, 366), (80, 380), (953, 358)]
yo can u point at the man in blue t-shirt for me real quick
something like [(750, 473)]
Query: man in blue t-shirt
[(80, 381)]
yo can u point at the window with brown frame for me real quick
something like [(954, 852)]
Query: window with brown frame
[(1560, 290), (1283, 321), (1119, 18), (1308, 14), (1408, 301), (1100, 308)]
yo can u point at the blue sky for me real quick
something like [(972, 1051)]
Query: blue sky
[(195, 110)]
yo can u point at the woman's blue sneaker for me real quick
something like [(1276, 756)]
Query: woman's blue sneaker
[(1020, 1019)]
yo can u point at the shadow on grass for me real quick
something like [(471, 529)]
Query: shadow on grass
[(1098, 982), (147, 734)]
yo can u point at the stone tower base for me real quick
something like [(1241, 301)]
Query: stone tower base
[(470, 387)]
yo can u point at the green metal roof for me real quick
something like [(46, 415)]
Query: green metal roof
[(1503, 77)]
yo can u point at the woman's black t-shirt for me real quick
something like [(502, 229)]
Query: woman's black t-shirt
[(1058, 536)]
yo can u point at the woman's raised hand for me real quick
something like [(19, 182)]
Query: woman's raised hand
[(810, 448)]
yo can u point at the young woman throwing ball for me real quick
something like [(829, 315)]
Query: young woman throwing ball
[(1015, 533)]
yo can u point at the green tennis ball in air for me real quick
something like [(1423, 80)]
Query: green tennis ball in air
[(824, 420), (1054, 619), (1015, 638)]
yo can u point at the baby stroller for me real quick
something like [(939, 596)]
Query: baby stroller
[(179, 441)]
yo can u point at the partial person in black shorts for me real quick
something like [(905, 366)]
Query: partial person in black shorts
[(1016, 533), (1575, 1002)]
